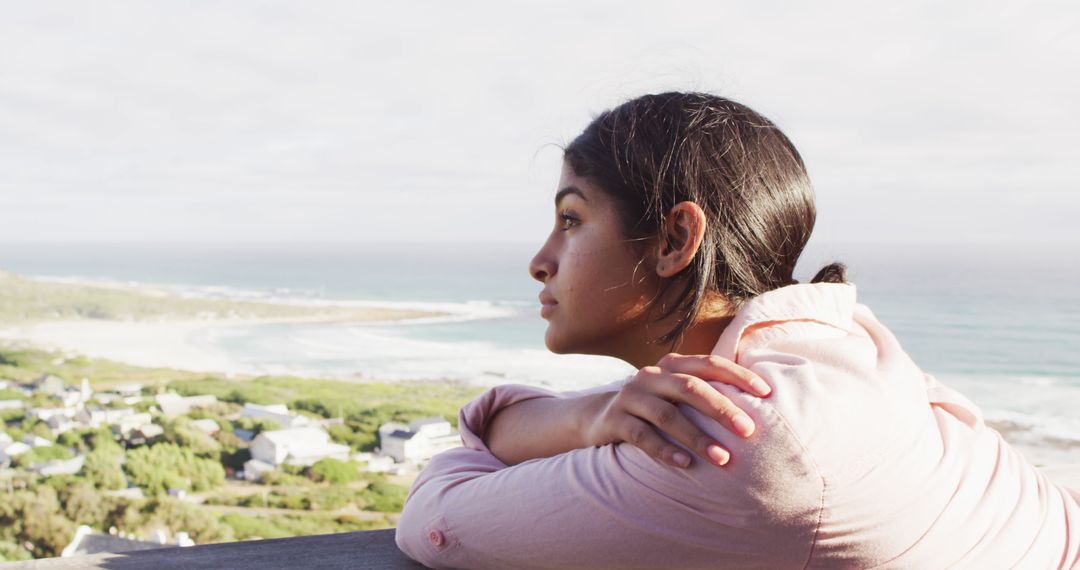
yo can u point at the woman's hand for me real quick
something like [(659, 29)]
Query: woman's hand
[(648, 402)]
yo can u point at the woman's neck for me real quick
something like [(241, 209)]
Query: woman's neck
[(699, 338)]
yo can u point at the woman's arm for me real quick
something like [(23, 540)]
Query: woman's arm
[(612, 506), (631, 410), (541, 427)]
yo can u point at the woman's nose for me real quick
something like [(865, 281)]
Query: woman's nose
[(541, 267)]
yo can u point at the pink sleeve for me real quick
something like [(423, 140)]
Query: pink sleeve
[(474, 417), (601, 507)]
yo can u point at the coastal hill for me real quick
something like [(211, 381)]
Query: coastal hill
[(24, 300)]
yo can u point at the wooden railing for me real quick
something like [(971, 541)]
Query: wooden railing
[(368, 549)]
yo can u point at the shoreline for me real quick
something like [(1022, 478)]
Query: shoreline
[(173, 344)]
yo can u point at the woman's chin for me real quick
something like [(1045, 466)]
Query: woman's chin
[(557, 344)]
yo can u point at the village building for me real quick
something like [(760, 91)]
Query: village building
[(144, 434), (125, 424), (296, 446), (173, 404), (44, 414), (12, 404), (12, 450), (276, 413), (419, 441), (254, 470), (36, 440), (96, 418), (60, 466), (207, 426), (48, 384), (61, 424)]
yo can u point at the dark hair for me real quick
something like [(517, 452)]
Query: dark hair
[(655, 151)]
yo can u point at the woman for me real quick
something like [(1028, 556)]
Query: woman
[(679, 221)]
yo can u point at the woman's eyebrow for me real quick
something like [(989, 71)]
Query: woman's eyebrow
[(569, 190)]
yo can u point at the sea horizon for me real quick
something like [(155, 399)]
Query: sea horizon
[(999, 323)]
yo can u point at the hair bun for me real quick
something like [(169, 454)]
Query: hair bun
[(834, 272)]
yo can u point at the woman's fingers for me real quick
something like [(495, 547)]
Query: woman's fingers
[(670, 420), (642, 435), (698, 394), (718, 369)]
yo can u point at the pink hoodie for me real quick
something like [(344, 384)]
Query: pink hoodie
[(859, 460)]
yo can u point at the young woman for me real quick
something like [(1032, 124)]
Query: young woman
[(771, 424)]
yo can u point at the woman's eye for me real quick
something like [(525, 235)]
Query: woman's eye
[(567, 220)]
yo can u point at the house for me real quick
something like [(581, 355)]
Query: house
[(379, 464), (36, 440), (44, 414), (207, 426), (173, 404), (61, 466), (48, 384), (277, 413), (130, 393), (296, 446), (419, 441), (127, 390), (130, 422), (12, 450), (61, 424), (96, 418), (255, 469), (11, 404), (86, 541), (144, 434)]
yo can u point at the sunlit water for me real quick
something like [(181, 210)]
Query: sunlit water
[(1000, 324)]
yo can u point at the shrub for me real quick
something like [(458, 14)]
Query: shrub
[(334, 471)]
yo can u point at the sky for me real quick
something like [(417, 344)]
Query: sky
[(920, 122)]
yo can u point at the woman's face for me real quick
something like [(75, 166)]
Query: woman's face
[(596, 291)]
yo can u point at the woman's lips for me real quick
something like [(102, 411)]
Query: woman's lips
[(547, 305)]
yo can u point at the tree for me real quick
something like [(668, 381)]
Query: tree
[(167, 466), (32, 518), (83, 504), (102, 468), (182, 433), (334, 471)]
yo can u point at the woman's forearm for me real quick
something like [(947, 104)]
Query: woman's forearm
[(541, 427)]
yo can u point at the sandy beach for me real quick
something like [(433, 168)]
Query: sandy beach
[(166, 344)]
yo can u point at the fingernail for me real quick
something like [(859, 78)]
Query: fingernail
[(761, 387), (681, 458), (717, 454), (743, 424)]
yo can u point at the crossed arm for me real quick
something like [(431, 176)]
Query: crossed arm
[(610, 506)]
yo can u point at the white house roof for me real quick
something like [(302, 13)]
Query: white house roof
[(272, 408), (296, 436)]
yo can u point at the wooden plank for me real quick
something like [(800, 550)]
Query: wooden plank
[(369, 549)]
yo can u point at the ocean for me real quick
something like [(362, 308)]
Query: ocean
[(1000, 323)]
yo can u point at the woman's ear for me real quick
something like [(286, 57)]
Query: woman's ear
[(683, 230)]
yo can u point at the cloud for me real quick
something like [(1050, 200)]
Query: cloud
[(248, 121)]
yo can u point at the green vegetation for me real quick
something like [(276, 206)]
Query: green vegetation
[(334, 471), (43, 454), (164, 466), (39, 516)]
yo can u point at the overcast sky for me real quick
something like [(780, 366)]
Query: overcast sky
[(406, 121)]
